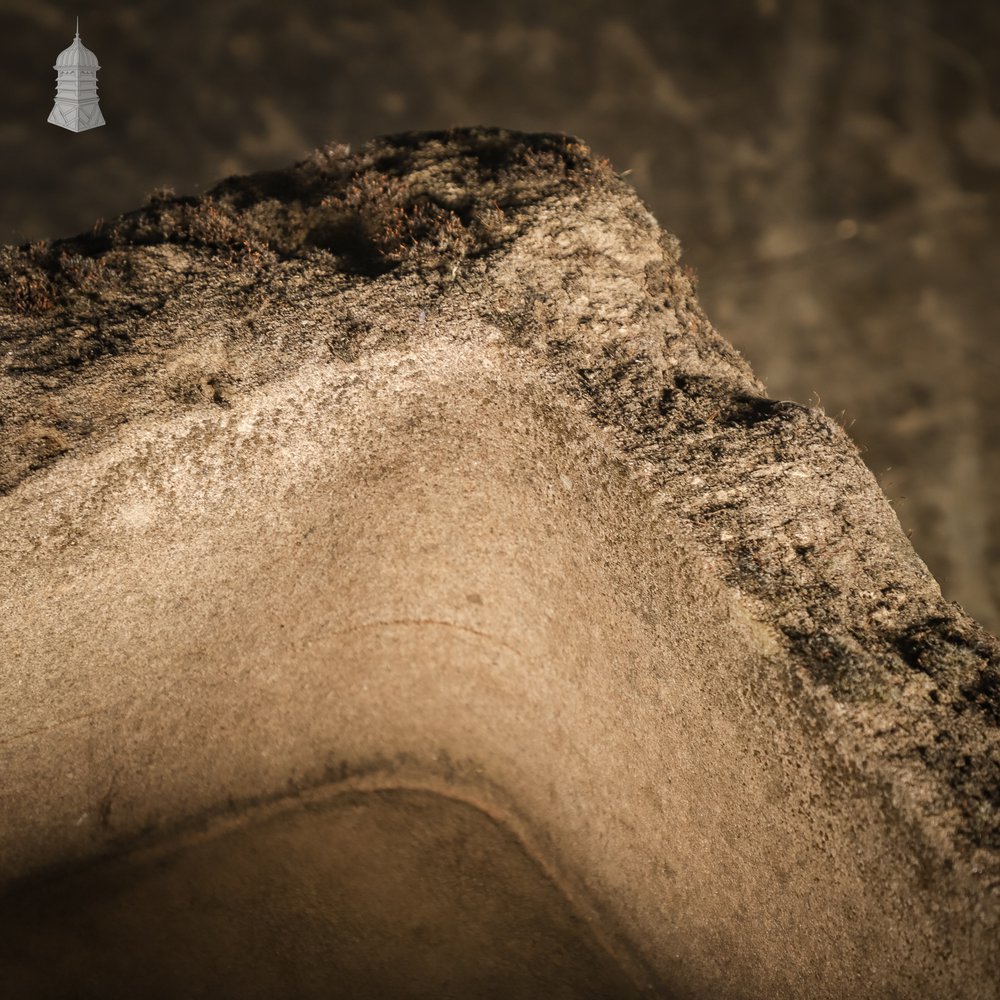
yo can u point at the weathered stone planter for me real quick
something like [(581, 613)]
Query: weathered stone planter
[(406, 592)]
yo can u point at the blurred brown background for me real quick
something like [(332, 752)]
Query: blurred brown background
[(831, 166)]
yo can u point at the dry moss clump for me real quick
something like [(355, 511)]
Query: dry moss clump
[(401, 202), (372, 211), (396, 223)]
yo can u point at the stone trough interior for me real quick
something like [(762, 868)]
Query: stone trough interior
[(478, 725), (405, 595)]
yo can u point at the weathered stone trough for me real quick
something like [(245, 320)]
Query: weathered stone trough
[(406, 592)]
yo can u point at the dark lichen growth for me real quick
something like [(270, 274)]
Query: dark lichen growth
[(401, 202), (848, 672), (779, 492), (745, 410), (26, 279), (390, 222), (958, 657), (377, 209)]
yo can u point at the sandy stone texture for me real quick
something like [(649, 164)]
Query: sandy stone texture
[(421, 467)]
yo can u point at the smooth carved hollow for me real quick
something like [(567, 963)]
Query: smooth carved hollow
[(469, 625)]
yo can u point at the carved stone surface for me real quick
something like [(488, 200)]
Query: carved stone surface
[(420, 472)]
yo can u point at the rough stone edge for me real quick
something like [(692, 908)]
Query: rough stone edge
[(906, 683)]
